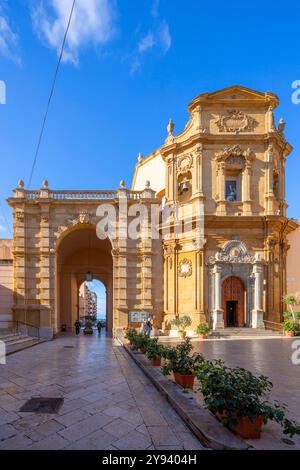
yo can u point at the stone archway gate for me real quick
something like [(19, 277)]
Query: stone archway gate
[(42, 217)]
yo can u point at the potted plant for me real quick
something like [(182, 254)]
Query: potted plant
[(130, 334), (140, 342), (239, 400), (183, 365), (291, 301), (291, 328), (203, 330), (155, 352), (88, 324), (182, 323)]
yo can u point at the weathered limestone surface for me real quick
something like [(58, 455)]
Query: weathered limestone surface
[(225, 173)]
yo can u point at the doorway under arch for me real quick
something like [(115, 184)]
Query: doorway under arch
[(82, 256), (233, 301)]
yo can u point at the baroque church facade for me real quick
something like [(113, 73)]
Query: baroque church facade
[(225, 174)]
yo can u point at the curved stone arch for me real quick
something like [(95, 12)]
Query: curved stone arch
[(238, 244), (74, 273), (65, 231)]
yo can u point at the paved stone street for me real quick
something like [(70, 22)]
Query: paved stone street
[(108, 402)]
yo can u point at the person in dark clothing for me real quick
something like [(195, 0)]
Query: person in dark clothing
[(99, 327), (77, 327)]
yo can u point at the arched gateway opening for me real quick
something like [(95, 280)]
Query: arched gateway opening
[(233, 302), (82, 256)]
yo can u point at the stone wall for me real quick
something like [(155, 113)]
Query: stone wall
[(6, 283)]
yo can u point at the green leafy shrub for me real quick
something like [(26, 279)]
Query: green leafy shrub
[(140, 341), (130, 334), (179, 359), (154, 350), (182, 323), (202, 329), (238, 393), (293, 326)]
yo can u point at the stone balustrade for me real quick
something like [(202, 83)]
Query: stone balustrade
[(76, 195)]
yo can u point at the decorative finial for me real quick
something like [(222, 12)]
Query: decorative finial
[(281, 125), (122, 184), (45, 184), (147, 184), (140, 158), (21, 184), (171, 127)]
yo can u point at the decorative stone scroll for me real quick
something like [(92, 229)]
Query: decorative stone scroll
[(236, 121), (184, 162), (234, 252), (235, 154)]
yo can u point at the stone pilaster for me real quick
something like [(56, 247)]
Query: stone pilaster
[(221, 175), (257, 312), (218, 313)]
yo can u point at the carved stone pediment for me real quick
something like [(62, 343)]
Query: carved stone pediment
[(236, 121), (234, 252), (235, 155)]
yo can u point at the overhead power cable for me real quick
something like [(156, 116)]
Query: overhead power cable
[(50, 96)]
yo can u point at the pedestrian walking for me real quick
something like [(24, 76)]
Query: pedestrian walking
[(77, 327), (99, 327)]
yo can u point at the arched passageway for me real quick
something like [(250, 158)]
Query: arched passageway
[(82, 256)]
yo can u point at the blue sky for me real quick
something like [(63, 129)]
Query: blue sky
[(130, 66)]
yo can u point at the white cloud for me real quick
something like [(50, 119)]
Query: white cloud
[(155, 7), (93, 23), (165, 37), (146, 43), (2, 229), (8, 39), (159, 38)]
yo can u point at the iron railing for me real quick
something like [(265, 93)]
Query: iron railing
[(19, 327)]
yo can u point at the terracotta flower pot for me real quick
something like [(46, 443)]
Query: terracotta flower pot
[(245, 428), (185, 381), (290, 334), (156, 362), (182, 334), (201, 336)]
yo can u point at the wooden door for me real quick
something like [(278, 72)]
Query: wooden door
[(233, 290)]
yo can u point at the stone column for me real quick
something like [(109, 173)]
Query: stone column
[(247, 203), (270, 120), (198, 173), (221, 188), (171, 180), (269, 191), (218, 313), (257, 312)]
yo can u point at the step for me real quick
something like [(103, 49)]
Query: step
[(13, 340), (9, 336), (21, 340), (19, 346)]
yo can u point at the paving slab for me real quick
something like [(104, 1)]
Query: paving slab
[(108, 401)]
